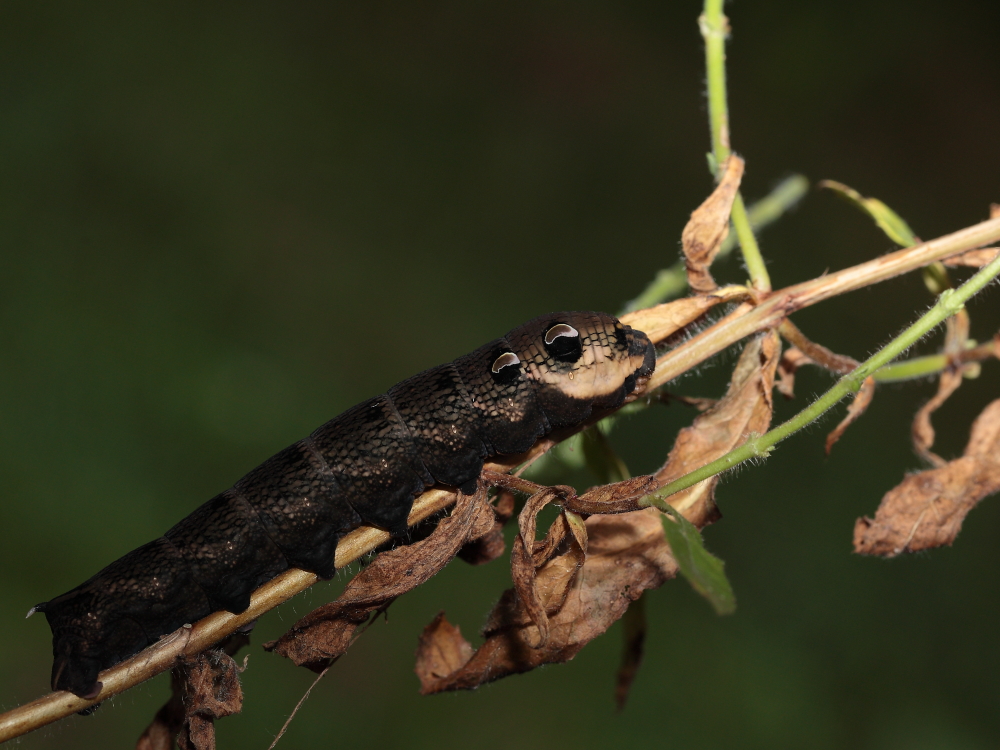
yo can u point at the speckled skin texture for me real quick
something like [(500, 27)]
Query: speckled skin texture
[(364, 466)]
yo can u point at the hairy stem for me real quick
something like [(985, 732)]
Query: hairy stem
[(714, 29)]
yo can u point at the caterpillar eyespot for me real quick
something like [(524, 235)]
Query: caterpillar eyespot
[(507, 359), (563, 342), (560, 329), (364, 466)]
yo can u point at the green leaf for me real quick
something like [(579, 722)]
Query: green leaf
[(888, 220), (703, 569)]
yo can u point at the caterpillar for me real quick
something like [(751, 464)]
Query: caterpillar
[(364, 466)]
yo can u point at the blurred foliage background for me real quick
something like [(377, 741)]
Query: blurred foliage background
[(221, 224)]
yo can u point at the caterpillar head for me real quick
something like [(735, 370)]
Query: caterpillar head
[(577, 362)]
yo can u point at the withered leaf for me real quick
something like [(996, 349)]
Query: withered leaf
[(663, 321), (745, 409), (859, 405), (211, 690), (440, 651), (791, 360), (927, 509), (206, 687), (922, 431), (620, 497), (536, 591), (326, 632), (709, 224), (627, 555)]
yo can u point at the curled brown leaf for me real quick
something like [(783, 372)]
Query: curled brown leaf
[(791, 360), (859, 405), (661, 322), (927, 509), (627, 555), (709, 224), (206, 687), (922, 431)]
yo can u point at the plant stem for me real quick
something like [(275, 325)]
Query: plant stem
[(714, 29), (759, 278), (949, 303)]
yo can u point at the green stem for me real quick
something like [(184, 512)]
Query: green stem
[(749, 247), (714, 29), (759, 446), (922, 367)]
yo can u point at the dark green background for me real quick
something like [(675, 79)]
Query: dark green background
[(221, 224)]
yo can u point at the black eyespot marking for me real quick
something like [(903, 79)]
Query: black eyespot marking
[(563, 342), (506, 368)]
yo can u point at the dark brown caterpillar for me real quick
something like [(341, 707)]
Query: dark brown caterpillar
[(365, 466)]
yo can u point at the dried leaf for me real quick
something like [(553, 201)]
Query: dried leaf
[(791, 360), (627, 555), (326, 632), (927, 509), (663, 321), (922, 431), (972, 258), (887, 220), (859, 405), (536, 591), (633, 643), (440, 651), (708, 227), (211, 690), (704, 570), (204, 687), (745, 409)]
